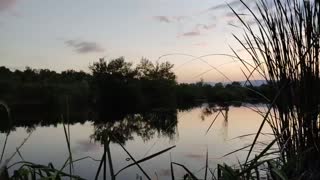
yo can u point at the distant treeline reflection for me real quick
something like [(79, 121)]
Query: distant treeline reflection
[(122, 125)]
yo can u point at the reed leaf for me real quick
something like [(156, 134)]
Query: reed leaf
[(186, 169), (146, 159)]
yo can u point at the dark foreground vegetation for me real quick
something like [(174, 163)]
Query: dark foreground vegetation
[(284, 46)]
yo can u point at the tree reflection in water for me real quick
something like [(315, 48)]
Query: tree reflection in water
[(146, 125), (122, 128), (108, 127)]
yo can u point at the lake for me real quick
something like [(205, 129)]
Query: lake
[(143, 135)]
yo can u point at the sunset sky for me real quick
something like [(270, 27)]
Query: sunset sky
[(71, 34)]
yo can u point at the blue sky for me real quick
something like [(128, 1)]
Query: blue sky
[(71, 34)]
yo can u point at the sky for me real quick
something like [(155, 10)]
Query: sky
[(72, 34)]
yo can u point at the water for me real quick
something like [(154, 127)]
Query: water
[(188, 134)]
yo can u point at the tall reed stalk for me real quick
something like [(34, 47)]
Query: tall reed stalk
[(284, 45)]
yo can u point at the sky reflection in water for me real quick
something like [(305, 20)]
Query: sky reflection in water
[(47, 144)]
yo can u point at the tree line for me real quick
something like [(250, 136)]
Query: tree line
[(118, 85), (233, 93)]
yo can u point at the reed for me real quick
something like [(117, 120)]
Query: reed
[(284, 45), (7, 109)]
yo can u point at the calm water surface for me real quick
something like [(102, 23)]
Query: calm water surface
[(47, 144)]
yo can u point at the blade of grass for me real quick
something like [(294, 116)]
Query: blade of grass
[(171, 168), (135, 162), (213, 122), (68, 144), (113, 177), (146, 158), (186, 169), (263, 122), (4, 147), (206, 171), (100, 165)]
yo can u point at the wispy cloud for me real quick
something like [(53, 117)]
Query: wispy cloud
[(223, 14), (198, 30), (195, 32), (170, 19), (232, 15), (83, 47), (7, 4), (206, 26), (181, 18), (164, 19), (225, 5)]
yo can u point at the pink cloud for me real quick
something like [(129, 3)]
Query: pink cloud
[(7, 4)]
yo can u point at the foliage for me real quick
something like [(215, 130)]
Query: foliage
[(146, 86)]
